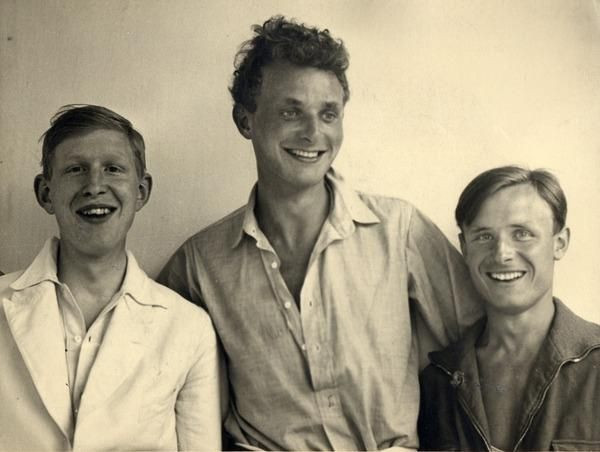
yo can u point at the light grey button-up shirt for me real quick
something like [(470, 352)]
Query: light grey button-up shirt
[(341, 372)]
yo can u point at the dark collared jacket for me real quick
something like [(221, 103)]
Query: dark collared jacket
[(561, 404)]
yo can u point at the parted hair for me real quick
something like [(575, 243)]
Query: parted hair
[(78, 119), (280, 39), (495, 179)]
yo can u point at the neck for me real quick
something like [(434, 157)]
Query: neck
[(100, 276), (522, 333), (292, 217)]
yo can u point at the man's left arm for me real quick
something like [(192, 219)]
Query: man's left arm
[(442, 295), (198, 410)]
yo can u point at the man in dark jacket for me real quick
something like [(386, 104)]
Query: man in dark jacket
[(527, 376)]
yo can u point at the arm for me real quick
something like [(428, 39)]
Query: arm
[(442, 295), (197, 409), (180, 274)]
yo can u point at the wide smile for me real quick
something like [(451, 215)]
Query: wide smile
[(96, 213), (305, 155), (506, 276)]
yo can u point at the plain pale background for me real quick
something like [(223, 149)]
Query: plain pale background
[(440, 91)]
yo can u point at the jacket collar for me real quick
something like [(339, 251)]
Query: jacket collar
[(44, 268), (347, 210), (34, 320), (569, 337)]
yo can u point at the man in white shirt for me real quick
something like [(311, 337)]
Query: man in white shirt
[(96, 355)]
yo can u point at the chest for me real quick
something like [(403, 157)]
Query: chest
[(503, 385), (294, 263)]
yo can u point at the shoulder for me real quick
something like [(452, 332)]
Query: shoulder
[(212, 242), (399, 211), (386, 207), (220, 230), (183, 313)]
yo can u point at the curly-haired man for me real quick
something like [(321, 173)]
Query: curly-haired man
[(320, 295)]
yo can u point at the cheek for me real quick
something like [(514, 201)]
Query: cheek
[(338, 135)]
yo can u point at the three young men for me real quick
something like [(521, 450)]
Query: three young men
[(528, 375), (96, 355), (320, 295)]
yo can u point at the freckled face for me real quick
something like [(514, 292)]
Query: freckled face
[(510, 249), (94, 191), (296, 130)]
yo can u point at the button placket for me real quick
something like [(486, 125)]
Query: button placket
[(281, 293)]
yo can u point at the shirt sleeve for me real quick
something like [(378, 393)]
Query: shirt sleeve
[(197, 409), (442, 296), (181, 275)]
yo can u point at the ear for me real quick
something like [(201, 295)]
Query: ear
[(144, 190), (41, 187), (463, 244), (561, 243), (243, 120)]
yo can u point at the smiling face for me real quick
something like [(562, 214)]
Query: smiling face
[(510, 249), (94, 191), (296, 130)]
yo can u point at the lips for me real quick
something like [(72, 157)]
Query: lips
[(96, 212), (305, 155), (506, 276)]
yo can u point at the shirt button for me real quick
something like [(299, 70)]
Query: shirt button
[(273, 264), (77, 339), (331, 401), (303, 347), (287, 305)]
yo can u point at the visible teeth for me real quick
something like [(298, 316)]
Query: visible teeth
[(303, 153), (507, 276), (97, 211)]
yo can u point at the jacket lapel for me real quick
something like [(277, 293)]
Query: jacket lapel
[(122, 349), (460, 362), (34, 321)]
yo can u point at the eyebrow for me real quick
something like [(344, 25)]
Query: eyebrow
[(292, 101), (296, 102), (332, 105), (512, 225), (478, 229)]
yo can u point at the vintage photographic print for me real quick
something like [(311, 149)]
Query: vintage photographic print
[(299, 225)]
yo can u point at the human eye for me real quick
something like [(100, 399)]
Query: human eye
[(330, 115), (290, 114), (523, 234), (74, 169), (482, 237), (114, 169)]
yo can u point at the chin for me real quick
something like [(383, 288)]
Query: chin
[(509, 306)]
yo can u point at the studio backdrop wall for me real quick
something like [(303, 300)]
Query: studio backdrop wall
[(440, 91)]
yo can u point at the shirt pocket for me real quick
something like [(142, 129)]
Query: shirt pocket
[(574, 444)]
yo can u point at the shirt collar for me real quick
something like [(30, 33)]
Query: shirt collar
[(44, 268), (347, 209)]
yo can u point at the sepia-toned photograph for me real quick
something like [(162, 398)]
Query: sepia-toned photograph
[(299, 225)]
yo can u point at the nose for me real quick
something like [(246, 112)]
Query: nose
[(310, 127), (503, 251), (95, 183)]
